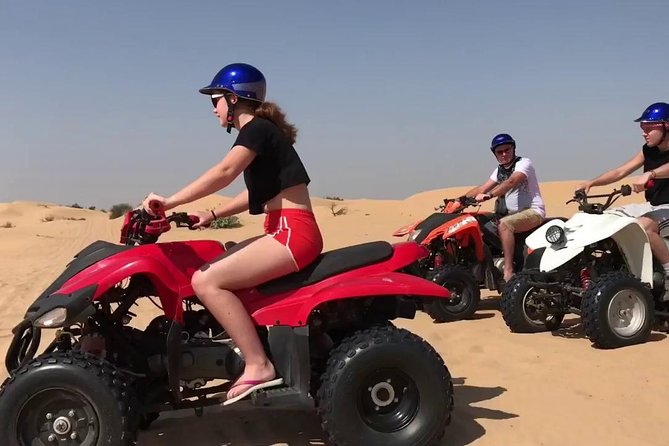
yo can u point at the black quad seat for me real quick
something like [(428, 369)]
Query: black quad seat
[(330, 263)]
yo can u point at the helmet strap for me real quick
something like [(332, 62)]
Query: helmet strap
[(231, 113)]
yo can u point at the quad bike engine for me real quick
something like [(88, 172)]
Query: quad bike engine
[(205, 350)]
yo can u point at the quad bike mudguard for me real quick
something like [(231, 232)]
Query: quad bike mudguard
[(584, 229)]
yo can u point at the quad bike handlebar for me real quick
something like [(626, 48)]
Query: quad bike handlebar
[(581, 198), (182, 219), (141, 227), (456, 205)]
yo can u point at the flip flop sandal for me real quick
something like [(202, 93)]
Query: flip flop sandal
[(256, 384)]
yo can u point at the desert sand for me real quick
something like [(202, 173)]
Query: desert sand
[(510, 389)]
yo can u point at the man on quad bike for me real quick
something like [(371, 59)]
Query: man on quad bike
[(514, 184), (652, 215), (276, 184)]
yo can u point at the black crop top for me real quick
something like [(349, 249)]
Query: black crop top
[(276, 166), (652, 159)]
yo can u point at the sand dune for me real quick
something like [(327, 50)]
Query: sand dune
[(541, 389)]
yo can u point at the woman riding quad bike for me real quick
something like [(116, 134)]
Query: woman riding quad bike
[(275, 310)]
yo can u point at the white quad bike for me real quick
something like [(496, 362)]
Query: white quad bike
[(597, 264)]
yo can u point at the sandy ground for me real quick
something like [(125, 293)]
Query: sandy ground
[(510, 389)]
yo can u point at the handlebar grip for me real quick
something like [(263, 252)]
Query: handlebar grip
[(193, 220), (155, 205)]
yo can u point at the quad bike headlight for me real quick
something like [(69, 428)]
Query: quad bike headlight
[(555, 234), (52, 319), (413, 234)]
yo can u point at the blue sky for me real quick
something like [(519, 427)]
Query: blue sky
[(99, 100)]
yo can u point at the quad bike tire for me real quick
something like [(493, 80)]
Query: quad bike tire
[(385, 386), (617, 311), (517, 316), (465, 298), (67, 398)]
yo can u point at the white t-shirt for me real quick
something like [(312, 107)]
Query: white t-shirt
[(526, 195)]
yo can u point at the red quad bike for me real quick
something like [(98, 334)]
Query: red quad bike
[(326, 329), (465, 255)]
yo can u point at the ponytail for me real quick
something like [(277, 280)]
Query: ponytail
[(272, 112)]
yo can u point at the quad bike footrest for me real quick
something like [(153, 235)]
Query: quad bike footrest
[(286, 397)]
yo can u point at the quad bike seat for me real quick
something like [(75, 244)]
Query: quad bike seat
[(329, 264)]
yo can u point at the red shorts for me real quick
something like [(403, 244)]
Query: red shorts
[(298, 231)]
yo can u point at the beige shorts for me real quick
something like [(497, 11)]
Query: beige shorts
[(659, 214), (522, 221)]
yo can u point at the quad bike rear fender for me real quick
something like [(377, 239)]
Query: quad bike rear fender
[(294, 310)]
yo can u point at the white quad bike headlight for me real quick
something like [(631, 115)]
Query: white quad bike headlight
[(413, 234), (555, 234)]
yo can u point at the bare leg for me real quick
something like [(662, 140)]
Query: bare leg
[(508, 239), (657, 244), (507, 228), (239, 270)]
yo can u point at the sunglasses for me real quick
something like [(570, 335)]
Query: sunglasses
[(503, 151), (648, 126), (215, 98)]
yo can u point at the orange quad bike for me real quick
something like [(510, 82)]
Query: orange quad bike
[(465, 255)]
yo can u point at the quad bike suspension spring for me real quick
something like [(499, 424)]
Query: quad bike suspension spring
[(586, 280), (438, 260)]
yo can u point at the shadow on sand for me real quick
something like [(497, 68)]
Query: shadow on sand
[(464, 428), (572, 329), (249, 426)]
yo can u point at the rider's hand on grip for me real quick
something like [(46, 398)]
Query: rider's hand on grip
[(193, 221), (156, 206), (579, 195)]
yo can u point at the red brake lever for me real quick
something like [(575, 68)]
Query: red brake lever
[(649, 184)]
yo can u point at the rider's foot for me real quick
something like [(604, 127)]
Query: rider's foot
[(508, 275), (254, 378)]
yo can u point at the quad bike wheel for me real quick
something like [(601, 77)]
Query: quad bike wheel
[(66, 399), (617, 310), (465, 294), (385, 386), (520, 309)]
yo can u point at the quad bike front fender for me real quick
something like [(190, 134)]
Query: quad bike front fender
[(585, 229), (405, 230), (296, 313), (171, 284)]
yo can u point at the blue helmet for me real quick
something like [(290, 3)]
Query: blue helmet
[(500, 139), (242, 79), (657, 112)]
